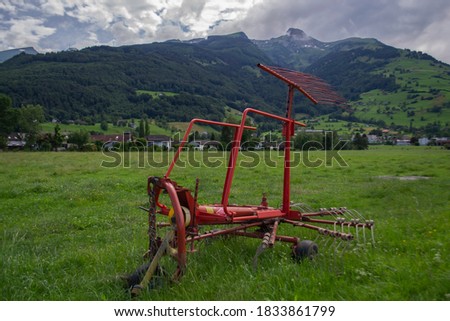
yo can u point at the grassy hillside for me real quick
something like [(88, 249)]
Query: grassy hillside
[(386, 86), (69, 227), (108, 82), (423, 97)]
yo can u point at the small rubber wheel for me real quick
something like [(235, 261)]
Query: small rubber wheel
[(305, 249)]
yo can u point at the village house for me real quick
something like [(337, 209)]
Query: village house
[(16, 141), (112, 139), (205, 144), (374, 139), (161, 141), (423, 141)]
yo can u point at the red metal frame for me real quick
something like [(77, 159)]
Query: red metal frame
[(295, 80), (188, 215)]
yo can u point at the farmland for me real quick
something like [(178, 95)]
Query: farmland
[(69, 227), (422, 100)]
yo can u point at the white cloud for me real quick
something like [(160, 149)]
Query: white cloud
[(24, 32), (52, 7), (409, 24), (7, 6), (414, 24)]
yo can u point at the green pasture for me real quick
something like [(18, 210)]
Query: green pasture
[(182, 127), (71, 128), (156, 94), (424, 87), (340, 126), (70, 225)]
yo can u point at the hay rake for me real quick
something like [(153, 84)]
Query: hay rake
[(166, 255)]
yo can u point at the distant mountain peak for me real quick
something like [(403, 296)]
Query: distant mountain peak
[(298, 34), (8, 54)]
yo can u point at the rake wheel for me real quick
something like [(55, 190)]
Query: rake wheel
[(167, 253), (174, 242), (305, 249)]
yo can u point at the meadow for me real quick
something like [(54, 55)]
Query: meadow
[(70, 226), (424, 88)]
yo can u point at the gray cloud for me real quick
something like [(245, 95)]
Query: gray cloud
[(414, 24), (58, 24)]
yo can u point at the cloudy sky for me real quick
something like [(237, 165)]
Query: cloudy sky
[(54, 25)]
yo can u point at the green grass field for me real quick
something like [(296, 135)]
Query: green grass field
[(156, 94), (69, 227), (71, 128)]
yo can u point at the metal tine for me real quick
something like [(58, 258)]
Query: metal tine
[(349, 214), (344, 248), (337, 255), (355, 218), (339, 242), (373, 235), (328, 255), (341, 256), (318, 237), (357, 233), (359, 214), (303, 207), (363, 219), (327, 240), (307, 208)]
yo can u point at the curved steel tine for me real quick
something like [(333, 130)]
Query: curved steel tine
[(360, 215), (373, 235)]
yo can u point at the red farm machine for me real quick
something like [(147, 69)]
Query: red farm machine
[(185, 216)]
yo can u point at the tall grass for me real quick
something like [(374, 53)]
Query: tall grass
[(69, 227)]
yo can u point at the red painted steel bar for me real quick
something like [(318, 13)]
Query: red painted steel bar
[(287, 153), (226, 231), (181, 233), (324, 213), (236, 146), (186, 136), (347, 223), (256, 235)]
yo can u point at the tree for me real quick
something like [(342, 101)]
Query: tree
[(227, 134), (141, 132), (79, 138), (29, 119), (56, 139), (104, 125), (147, 127), (8, 118), (376, 131), (360, 142)]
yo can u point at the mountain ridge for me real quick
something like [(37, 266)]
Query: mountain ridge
[(10, 53), (208, 74)]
